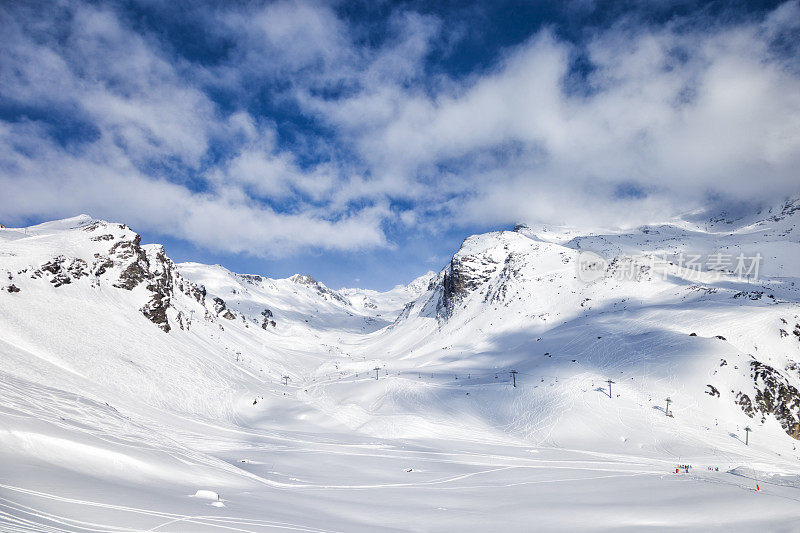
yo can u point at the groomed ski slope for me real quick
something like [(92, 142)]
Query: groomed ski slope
[(109, 423)]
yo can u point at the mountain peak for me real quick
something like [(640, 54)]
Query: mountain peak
[(303, 279)]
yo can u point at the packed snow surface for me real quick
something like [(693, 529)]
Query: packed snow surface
[(505, 392)]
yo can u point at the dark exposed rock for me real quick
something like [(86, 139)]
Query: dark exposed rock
[(60, 279), (139, 265), (102, 265), (463, 275), (222, 309), (251, 278), (753, 295), (155, 310), (190, 289), (54, 266), (788, 209), (511, 271), (774, 395), (137, 270), (133, 275), (303, 279), (160, 274), (267, 314), (743, 401), (93, 225), (405, 313), (322, 290), (693, 334), (153, 268), (77, 268), (12, 288), (713, 391), (61, 272)]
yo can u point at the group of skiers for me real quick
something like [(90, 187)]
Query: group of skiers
[(685, 468)]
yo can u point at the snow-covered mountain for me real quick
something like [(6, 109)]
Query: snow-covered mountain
[(129, 382), (714, 340)]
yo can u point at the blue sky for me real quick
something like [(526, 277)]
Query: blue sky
[(360, 142)]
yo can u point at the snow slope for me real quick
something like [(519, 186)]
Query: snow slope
[(143, 395)]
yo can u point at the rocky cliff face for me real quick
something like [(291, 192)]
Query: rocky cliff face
[(468, 271), (773, 394), (493, 268), (149, 266), (113, 254)]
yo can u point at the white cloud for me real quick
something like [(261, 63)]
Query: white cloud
[(108, 185), (678, 112), (147, 111)]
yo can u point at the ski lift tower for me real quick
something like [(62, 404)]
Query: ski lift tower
[(669, 401), (285, 380), (376, 369), (514, 377), (747, 431), (610, 382)]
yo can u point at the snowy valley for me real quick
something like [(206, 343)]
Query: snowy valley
[(508, 391)]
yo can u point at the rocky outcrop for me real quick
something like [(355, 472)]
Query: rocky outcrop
[(268, 321), (135, 265), (222, 309), (161, 272), (463, 275), (155, 310), (510, 272), (131, 254), (62, 271), (322, 290), (789, 208), (153, 267), (774, 395)]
